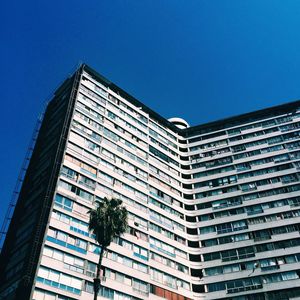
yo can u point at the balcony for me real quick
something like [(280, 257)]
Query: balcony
[(262, 238), (244, 288), (254, 212), (269, 268)]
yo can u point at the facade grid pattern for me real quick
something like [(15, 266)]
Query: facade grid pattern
[(214, 209)]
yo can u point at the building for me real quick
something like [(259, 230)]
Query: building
[(213, 209)]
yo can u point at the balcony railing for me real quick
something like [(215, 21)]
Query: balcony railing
[(244, 288), (270, 268)]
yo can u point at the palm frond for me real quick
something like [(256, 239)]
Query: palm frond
[(108, 220)]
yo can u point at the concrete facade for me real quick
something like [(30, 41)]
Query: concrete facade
[(214, 209)]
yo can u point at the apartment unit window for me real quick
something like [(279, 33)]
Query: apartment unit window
[(59, 280), (128, 262), (63, 202), (83, 166), (66, 240), (104, 291), (39, 294), (244, 285), (71, 262), (168, 280), (75, 224), (80, 192), (226, 203)]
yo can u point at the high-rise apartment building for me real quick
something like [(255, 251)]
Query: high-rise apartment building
[(214, 209)]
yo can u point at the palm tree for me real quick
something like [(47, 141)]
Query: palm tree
[(107, 221)]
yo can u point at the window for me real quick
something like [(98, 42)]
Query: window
[(63, 202), (243, 285), (229, 255), (59, 280)]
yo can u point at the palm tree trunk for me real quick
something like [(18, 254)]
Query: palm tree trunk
[(97, 281)]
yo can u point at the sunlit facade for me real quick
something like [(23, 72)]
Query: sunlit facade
[(213, 209)]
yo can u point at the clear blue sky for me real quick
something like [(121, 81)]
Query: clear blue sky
[(200, 60)]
